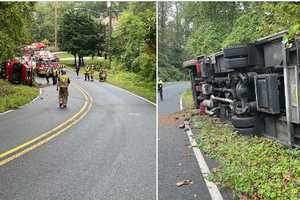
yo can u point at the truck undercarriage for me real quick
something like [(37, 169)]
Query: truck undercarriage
[(255, 86)]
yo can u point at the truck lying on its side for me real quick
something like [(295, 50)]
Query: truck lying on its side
[(255, 86)]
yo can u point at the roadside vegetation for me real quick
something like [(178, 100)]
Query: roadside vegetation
[(254, 167), (14, 96), (134, 83), (190, 29), (187, 99)]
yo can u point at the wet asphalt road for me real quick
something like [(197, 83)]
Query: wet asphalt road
[(109, 154), (176, 161)]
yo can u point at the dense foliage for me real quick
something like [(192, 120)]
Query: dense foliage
[(241, 22), (80, 34), (189, 29), (134, 39), (172, 36), (254, 167), (44, 16), (15, 20)]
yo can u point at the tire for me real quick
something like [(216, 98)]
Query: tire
[(243, 122), (236, 63), (233, 52), (245, 131)]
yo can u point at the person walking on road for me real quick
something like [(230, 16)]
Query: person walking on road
[(160, 89), (77, 69), (55, 75), (49, 73), (87, 73), (62, 86)]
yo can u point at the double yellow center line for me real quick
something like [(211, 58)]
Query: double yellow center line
[(29, 145)]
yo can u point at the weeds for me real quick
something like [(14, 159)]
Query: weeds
[(14, 96), (254, 167)]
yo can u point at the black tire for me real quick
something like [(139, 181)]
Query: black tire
[(234, 52), (245, 131), (243, 122), (236, 63)]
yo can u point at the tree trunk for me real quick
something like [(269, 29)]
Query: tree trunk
[(82, 60), (75, 60)]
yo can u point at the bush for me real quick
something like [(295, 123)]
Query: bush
[(170, 74)]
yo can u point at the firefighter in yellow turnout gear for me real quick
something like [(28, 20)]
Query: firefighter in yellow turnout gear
[(87, 73), (92, 72), (62, 86)]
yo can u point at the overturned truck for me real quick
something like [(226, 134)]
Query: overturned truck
[(255, 86)]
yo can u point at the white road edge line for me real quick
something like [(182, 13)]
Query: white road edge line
[(212, 187), (40, 93), (180, 103), (144, 99)]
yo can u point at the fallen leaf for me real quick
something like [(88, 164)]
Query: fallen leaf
[(286, 178), (184, 182)]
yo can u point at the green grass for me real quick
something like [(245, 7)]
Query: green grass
[(68, 59), (14, 96), (187, 99), (64, 54), (254, 167), (129, 81), (134, 83)]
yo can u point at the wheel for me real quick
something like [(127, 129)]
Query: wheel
[(236, 63), (243, 122), (234, 52), (245, 131)]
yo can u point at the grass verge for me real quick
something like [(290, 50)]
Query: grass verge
[(14, 96), (187, 99), (129, 81), (68, 59), (254, 167), (134, 83)]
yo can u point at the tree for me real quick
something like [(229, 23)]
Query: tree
[(79, 34), (15, 20), (134, 39)]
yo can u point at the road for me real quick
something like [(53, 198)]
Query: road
[(109, 154), (176, 160)]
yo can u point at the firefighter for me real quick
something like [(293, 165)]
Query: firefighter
[(92, 71), (87, 73), (160, 89), (49, 73), (102, 75), (62, 86)]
